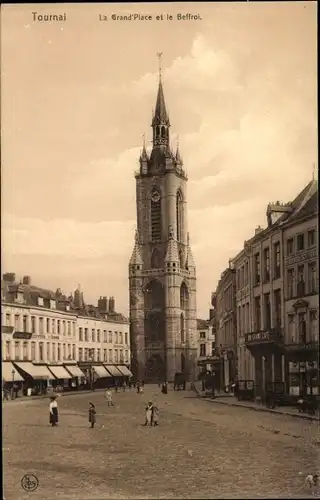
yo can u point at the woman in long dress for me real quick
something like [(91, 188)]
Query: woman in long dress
[(92, 414), (149, 413), (53, 409)]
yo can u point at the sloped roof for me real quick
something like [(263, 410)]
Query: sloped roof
[(202, 324)]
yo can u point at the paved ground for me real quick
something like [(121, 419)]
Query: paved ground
[(199, 450), (282, 410)]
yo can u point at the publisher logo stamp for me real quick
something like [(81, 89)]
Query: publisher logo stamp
[(29, 482)]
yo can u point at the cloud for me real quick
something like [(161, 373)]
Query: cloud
[(62, 237), (247, 133)]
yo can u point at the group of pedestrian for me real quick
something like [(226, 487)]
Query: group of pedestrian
[(152, 414), (152, 409)]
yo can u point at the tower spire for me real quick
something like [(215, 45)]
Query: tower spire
[(160, 54), (160, 121)]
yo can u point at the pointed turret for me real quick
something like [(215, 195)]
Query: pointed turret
[(190, 263), (144, 155), (178, 157), (172, 255), (160, 120), (136, 259)]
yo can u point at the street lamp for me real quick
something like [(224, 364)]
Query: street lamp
[(13, 374), (91, 369)]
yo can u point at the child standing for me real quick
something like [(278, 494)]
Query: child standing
[(108, 395), (92, 414), (155, 414)]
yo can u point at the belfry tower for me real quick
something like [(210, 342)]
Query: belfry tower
[(162, 273)]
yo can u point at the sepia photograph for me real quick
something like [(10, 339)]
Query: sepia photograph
[(160, 254)]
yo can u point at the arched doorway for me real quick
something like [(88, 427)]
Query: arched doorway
[(155, 368)]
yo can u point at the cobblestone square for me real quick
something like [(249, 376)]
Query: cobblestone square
[(199, 450)]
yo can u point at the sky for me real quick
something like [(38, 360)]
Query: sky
[(77, 96)]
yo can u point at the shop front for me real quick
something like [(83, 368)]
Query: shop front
[(37, 377), (116, 374), (102, 377), (303, 371), (215, 373), (12, 381), (62, 378), (77, 376), (267, 348)]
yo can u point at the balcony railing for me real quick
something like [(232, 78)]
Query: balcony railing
[(273, 335)]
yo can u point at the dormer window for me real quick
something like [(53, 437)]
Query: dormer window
[(40, 301), (53, 304)]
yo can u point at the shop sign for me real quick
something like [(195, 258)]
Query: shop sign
[(22, 335), (258, 336), (310, 254)]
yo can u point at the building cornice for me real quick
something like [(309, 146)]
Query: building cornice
[(58, 312)]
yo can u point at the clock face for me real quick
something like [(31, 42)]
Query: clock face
[(155, 196)]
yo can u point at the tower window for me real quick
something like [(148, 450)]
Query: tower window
[(163, 132), (155, 215), (155, 259), (179, 215), (182, 328)]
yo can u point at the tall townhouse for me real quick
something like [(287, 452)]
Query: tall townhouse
[(226, 325), (277, 298), (36, 325), (47, 335), (301, 267)]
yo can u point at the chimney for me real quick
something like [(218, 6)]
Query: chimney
[(78, 298), (212, 314), (103, 305), (111, 305), (26, 280), (258, 230), (9, 277), (214, 299)]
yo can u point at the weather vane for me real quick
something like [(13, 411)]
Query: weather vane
[(159, 54)]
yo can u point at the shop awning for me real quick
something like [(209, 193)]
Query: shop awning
[(7, 369), (124, 370), (100, 371), (35, 371), (59, 372), (114, 371), (74, 370)]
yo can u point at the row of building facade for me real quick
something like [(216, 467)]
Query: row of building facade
[(267, 302), (45, 327)]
